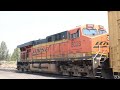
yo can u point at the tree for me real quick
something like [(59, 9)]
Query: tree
[(16, 54), (4, 52), (8, 57)]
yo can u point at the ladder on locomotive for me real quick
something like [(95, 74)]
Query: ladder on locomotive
[(98, 73)]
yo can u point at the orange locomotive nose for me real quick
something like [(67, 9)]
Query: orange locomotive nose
[(98, 37), (100, 44)]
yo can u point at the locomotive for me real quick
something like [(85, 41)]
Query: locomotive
[(80, 52)]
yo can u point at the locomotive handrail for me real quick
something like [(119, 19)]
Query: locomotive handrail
[(97, 53), (101, 56), (94, 60)]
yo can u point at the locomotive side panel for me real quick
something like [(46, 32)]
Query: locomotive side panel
[(53, 50), (56, 50), (79, 46), (64, 49), (39, 52)]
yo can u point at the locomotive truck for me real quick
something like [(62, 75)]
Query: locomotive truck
[(82, 51)]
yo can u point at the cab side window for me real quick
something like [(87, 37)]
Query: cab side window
[(75, 35), (49, 39)]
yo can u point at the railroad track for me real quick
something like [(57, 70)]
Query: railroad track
[(42, 74)]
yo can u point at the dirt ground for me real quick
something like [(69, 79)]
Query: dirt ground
[(8, 64), (8, 71), (4, 74)]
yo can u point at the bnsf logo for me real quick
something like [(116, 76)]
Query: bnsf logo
[(101, 44), (39, 50)]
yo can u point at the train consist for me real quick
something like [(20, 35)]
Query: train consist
[(80, 51)]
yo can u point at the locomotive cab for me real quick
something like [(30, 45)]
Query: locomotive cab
[(98, 38), (90, 45), (88, 40)]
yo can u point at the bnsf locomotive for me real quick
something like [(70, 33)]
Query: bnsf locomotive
[(76, 52)]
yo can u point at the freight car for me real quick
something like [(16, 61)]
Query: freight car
[(114, 29), (82, 51)]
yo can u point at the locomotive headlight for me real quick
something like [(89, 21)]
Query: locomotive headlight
[(101, 27), (89, 26), (95, 62), (83, 54)]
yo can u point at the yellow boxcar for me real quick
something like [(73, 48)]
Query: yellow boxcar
[(114, 31)]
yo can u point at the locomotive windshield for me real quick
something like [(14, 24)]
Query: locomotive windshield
[(102, 31), (90, 32)]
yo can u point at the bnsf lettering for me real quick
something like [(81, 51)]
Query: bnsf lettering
[(97, 43), (105, 43), (102, 44), (39, 50)]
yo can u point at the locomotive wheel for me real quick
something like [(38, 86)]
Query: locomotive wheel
[(76, 74), (65, 73), (25, 69), (21, 69)]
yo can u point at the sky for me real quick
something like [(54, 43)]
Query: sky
[(18, 27)]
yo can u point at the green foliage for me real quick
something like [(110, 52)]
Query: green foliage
[(4, 52), (9, 56), (16, 55)]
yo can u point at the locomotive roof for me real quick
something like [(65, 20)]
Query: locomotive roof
[(40, 41), (31, 43), (26, 44)]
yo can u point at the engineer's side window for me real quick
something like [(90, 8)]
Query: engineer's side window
[(75, 35)]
